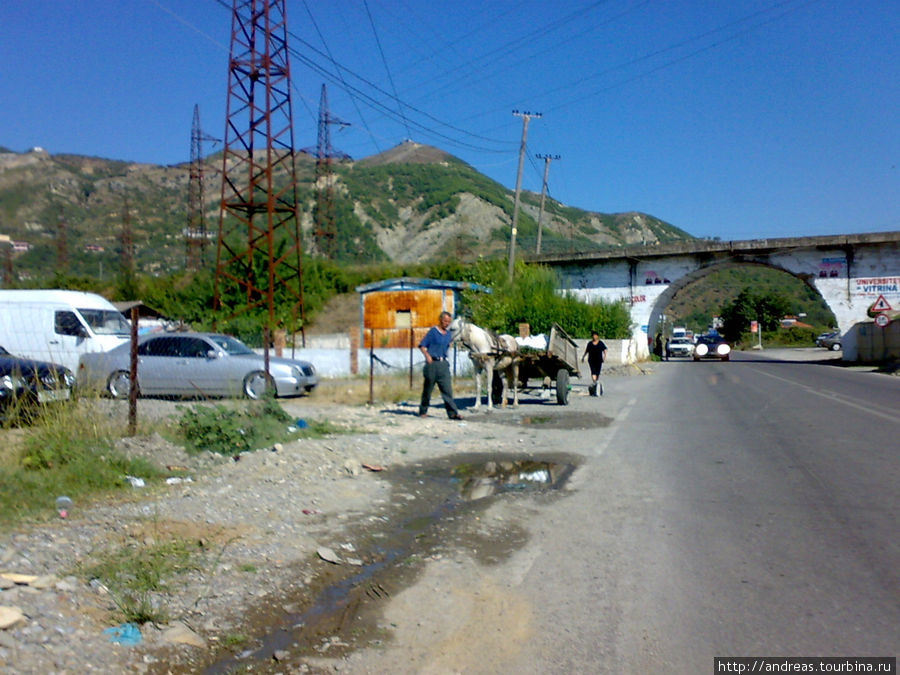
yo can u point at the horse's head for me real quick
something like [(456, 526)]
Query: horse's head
[(456, 328)]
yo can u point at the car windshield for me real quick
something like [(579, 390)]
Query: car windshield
[(106, 321), (231, 345)]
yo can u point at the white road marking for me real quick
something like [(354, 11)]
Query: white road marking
[(832, 397)]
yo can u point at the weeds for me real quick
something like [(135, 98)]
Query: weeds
[(229, 430), (69, 451), (138, 576)]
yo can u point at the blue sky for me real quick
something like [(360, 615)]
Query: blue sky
[(726, 118)]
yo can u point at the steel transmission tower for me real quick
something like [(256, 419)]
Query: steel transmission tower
[(324, 218), (62, 246), (259, 248), (195, 230)]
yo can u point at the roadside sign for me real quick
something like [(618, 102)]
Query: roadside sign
[(881, 305), (753, 326), (882, 320)]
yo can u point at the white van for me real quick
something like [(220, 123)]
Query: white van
[(59, 326)]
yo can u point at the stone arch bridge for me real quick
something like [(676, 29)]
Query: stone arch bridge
[(850, 272)]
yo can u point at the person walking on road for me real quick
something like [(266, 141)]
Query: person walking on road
[(435, 346), (595, 353)]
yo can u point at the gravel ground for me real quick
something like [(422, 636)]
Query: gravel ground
[(261, 523)]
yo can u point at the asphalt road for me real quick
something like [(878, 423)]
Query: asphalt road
[(744, 508)]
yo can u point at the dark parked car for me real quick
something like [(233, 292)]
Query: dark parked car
[(195, 364), (830, 341), (712, 346), (29, 383)]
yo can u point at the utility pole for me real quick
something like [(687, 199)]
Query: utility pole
[(547, 159), (526, 118)]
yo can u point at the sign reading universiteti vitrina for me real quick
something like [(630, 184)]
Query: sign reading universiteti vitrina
[(875, 286)]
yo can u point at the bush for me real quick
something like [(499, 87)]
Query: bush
[(229, 431)]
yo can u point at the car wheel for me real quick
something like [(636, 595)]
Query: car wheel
[(119, 384), (256, 384), (836, 347), (727, 357)]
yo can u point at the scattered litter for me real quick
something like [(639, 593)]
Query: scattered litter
[(348, 546), (310, 512), (328, 555), (128, 634), (135, 481), (175, 480), (373, 467), (301, 424), (176, 467), (63, 506)]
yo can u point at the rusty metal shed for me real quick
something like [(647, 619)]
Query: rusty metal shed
[(398, 312)]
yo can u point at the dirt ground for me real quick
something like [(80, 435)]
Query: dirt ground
[(320, 553)]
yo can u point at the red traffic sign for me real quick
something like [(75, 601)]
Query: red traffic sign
[(882, 320), (881, 305)]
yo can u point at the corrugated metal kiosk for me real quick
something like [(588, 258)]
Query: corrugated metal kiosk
[(396, 313)]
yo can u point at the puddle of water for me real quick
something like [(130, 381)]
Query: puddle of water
[(446, 491)]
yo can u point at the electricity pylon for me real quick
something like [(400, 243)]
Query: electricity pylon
[(259, 249)]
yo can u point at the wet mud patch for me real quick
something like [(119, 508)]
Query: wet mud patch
[(547, 417), (434, 511)]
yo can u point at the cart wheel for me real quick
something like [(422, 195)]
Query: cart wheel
[(562, 387)]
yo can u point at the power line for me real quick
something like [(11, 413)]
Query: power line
[(387, 68)]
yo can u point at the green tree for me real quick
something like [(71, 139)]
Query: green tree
[(767, 308)]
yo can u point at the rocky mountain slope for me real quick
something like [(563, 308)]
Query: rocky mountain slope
[(413, 203)]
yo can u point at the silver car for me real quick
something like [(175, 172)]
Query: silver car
[(194, 364)]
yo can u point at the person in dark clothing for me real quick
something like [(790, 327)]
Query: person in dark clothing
[(435, 346), (595, 353)]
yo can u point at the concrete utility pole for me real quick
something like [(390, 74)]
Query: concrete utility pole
[(526, 117), (547, 159)]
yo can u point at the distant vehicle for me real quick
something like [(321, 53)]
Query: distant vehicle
[(195, 364), (680, 346), (29, 383), (711, 346), (830, 341), (59, 326)]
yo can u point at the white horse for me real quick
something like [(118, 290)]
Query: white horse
[(489, 352)]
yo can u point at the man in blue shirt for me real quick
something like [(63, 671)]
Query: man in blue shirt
[(435, 346)]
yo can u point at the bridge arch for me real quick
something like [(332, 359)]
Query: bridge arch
[(677, 285), (849, 272)]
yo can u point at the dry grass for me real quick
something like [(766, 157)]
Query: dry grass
[(385, 389)]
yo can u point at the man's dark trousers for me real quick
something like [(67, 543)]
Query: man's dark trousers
[(438, 372)]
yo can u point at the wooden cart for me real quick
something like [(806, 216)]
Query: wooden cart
[(557, 362)]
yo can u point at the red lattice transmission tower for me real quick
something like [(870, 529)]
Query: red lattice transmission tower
[(324, 217), (62, 246), (195, 235), (259, 252)]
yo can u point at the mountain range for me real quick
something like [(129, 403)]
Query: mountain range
[(412, 203)]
